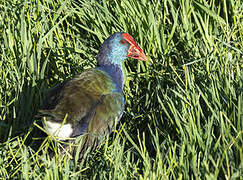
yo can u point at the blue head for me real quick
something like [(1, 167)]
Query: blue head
[(117, 48)]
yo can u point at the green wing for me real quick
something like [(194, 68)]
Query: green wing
[(107, 114)]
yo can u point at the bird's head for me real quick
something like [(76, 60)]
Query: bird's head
[(117, 48)]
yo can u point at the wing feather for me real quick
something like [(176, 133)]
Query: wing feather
[(105, 118)]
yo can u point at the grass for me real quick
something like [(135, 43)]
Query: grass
[(184, 107)]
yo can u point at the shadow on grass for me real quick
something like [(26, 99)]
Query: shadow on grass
[(20, 120)]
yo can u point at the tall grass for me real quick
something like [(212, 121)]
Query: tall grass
[(184, 107)]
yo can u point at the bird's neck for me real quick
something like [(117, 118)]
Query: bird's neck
[(116, 74)]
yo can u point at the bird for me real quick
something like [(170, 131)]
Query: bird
[(90, 104)]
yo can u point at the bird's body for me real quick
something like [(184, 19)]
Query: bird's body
[(91, 103), (89, 95)]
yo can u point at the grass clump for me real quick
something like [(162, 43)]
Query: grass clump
[(184, 107)]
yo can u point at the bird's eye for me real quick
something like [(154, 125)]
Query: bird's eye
[(122, 41)]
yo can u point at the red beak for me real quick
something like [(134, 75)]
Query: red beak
[(134, 50)]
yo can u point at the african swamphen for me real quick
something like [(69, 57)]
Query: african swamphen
[(92, 102)]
